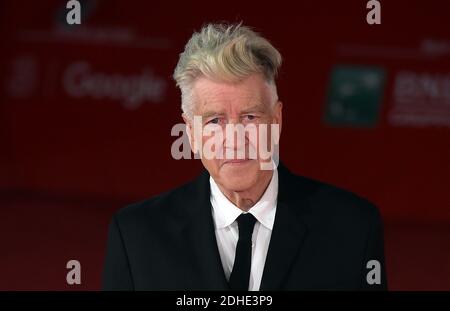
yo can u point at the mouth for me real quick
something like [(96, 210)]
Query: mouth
[(236, 161)]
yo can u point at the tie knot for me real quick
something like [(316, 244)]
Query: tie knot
[(246, 222)]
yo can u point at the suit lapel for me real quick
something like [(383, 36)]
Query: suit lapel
[(201, 245), (289, 232)]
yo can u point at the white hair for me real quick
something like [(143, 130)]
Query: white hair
[(226, 53)]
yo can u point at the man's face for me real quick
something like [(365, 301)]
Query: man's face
[(247, 103)]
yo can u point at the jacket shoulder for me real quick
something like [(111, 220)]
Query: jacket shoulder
[(167, 205), (330, 201)]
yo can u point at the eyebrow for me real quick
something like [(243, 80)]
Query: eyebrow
[(209, 114), (255, 108)]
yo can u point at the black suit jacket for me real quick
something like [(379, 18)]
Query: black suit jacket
[(322, 239)]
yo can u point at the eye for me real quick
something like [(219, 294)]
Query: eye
[(250, 117), (213, 121)]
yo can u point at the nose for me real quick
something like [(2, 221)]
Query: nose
[(235, 140)]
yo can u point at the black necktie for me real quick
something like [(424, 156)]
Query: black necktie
[(240, 275)]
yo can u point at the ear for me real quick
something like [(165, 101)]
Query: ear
[(189, 131), (278, 117)]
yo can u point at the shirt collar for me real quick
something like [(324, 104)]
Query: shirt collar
[(225, 212)]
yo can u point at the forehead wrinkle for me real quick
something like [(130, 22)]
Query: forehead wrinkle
[(229, 97), (230, 104)]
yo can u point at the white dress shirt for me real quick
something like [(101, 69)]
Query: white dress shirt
[(225, 213)]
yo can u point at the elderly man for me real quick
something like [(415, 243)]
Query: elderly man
[(242, 225)]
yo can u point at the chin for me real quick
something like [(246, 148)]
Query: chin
[(238, 179)]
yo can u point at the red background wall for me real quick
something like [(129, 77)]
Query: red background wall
[(67, 162)]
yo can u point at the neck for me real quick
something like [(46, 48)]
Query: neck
[(245, 200)]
